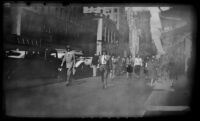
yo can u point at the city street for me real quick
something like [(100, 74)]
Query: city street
[(85, 97), (42, 39)]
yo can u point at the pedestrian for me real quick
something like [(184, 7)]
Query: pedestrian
[(152, 70), (114, 65), (141, 64), (129, 67), (94, 64), (124, 65), (137, 65), (119, 62), (145, 64), (69, 58), (172, 71), (109, 65), (103, 68)]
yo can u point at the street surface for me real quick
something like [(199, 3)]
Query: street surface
[(34, 91), (85, 97)]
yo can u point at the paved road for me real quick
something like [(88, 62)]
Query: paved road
[(85, 97)]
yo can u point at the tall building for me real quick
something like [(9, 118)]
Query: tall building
[(133, 31), (145, 26), (114, 28), (109, 12), (146, 45), (177, 39), (50, 25)]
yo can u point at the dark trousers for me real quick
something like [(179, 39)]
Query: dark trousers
[(63, 74), (104, 73), (137, 69)]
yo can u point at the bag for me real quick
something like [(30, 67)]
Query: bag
[(130, 68), (102, 67)]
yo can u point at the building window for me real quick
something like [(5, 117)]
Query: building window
[(49, 9), (61, 12), (42, 8), (46, 9), (56, 11), (115, 10), (35, 7)]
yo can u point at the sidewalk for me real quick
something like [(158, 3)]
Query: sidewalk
[(165, 101)]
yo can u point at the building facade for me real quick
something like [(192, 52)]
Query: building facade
[(113, 30), (51, 25), (177, 38)]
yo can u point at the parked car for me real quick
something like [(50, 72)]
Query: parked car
[(85, 60), (16, 53), (61, 52), (78, 55)]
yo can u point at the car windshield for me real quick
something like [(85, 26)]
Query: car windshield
[(12, 53)]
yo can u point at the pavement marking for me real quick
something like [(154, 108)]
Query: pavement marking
[(167, 108), (150, 107), (148, 99)]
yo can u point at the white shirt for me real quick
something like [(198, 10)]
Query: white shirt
[(68, 56), (103, 59), (138, 61)]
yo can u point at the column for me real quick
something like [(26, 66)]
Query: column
[(16, 11), (108, 36), (105, 33), (99, 36), (111, 36), (114, 36), (188, 45)]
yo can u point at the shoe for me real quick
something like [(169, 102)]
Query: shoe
[(67, 83)]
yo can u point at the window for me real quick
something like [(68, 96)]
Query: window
[(115, 10), (35, 7), (56, 11), (42, 8), (61, 12), (49, 9)]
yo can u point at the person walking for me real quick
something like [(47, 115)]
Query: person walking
[(109, 66), (103, 59), (137, 65), (145, 64), (119, 63), (114, 65), (129, 68), (152, 70), (124, 65), (94, 64), (69, 58)]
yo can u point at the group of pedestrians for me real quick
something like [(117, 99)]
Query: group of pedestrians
[(111, 66), (133, 64)]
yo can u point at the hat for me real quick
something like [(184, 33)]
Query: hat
[(67, 47), (104, 51)]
